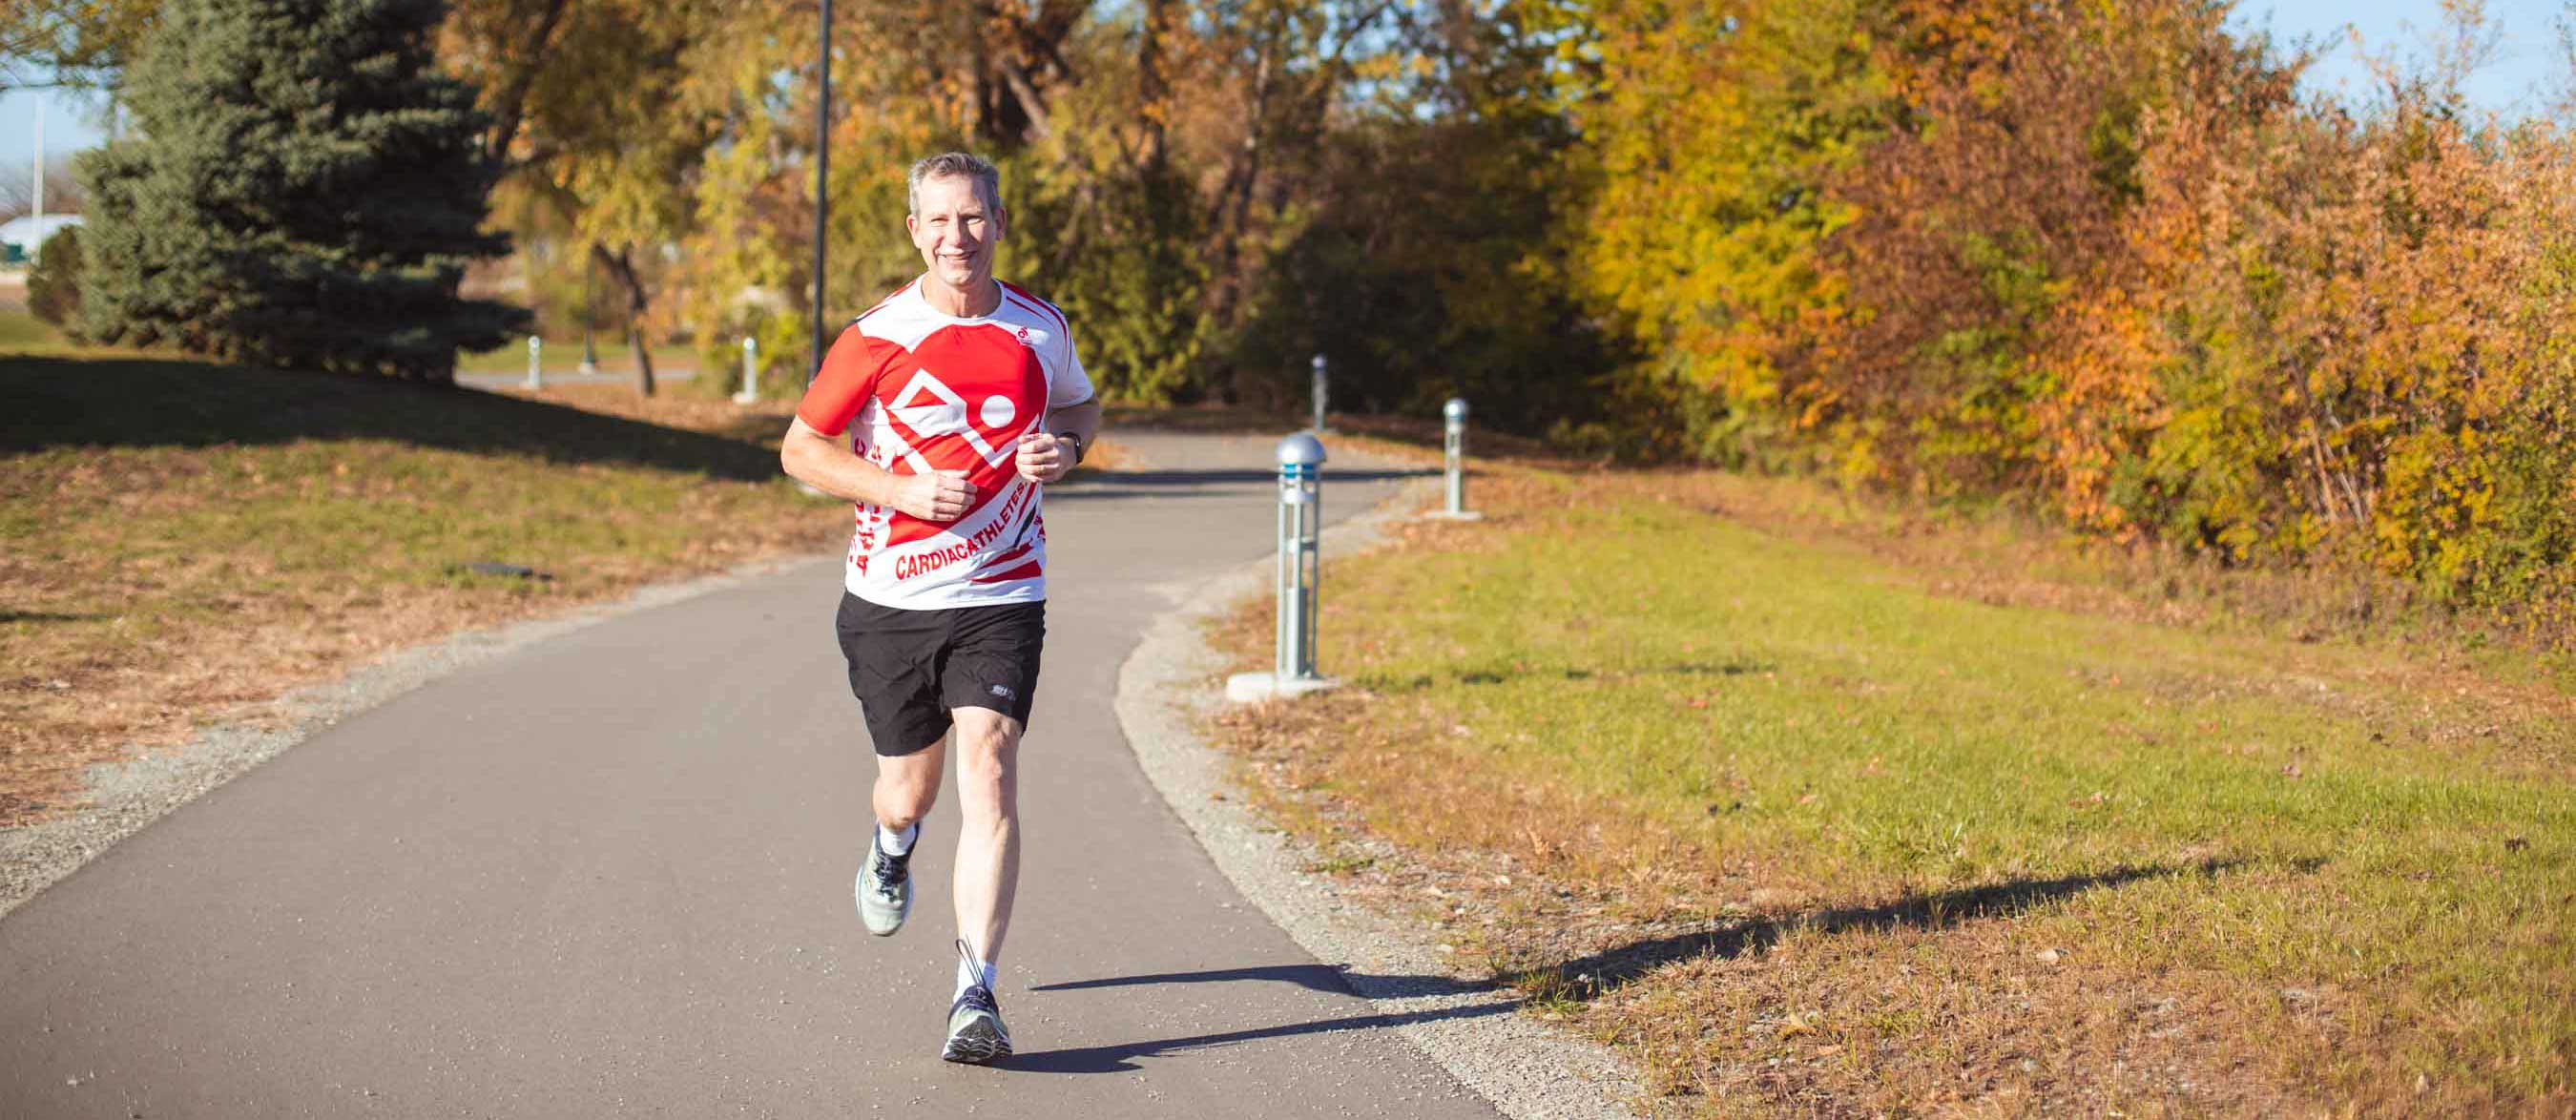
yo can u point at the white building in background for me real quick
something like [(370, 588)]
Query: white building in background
[(21, 237)]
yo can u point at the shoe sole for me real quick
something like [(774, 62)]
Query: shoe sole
[(875, 919), (977, 1043)]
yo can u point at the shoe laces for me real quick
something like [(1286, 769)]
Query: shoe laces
[(890, 871), (976, 996)]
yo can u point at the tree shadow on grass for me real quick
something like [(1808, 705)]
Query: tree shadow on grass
[(1580, 978), (145, 403), (1490, 676), (1586, 977)]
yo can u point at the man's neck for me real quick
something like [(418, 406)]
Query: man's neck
[(961, 303)]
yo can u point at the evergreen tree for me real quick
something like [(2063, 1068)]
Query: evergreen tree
[(53, 286), (306, 191)]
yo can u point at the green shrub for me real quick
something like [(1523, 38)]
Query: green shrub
[(53, 286)]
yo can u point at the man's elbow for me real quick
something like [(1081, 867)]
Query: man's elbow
[(796, 458)]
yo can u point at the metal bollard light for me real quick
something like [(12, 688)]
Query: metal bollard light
[(1454, 441), (536, 360), (1454, 447), (1322, 388), (1301, 524), (1301, 568), (750, 372)]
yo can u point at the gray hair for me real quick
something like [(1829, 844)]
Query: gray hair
[(955, 165)]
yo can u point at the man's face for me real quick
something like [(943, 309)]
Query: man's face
[(955, 229)]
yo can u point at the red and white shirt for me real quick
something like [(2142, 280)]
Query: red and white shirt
[(922, 391)]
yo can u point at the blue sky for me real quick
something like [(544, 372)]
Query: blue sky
[(2517, 83), (2527, 66)]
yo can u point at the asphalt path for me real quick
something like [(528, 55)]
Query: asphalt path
[(610, 874)]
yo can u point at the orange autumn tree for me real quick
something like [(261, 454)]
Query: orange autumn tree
[(2097, 258)]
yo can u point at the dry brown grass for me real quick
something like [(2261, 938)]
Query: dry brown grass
[(139, 606), (1782, 977)]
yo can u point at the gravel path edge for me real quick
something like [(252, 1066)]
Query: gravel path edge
[(1527, 1070)]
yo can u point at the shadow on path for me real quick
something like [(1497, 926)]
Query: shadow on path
[(1584, 977), (1118, 1057), (1183, 483)]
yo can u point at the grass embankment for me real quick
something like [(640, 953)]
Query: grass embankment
[(1803, 829), (563, 355), (183, 541)]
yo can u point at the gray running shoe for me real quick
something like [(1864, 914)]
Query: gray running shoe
[(975, 1032), (885, 887)]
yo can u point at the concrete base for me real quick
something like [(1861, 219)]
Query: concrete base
[(1462, 515), (1249, 688), (745, 398)]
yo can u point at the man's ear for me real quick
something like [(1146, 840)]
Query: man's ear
[(912, 224)]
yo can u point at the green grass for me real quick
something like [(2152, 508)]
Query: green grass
[(24, 332), (1810, 723), (563, 355)]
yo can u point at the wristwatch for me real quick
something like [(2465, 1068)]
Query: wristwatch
[(1076, 441)]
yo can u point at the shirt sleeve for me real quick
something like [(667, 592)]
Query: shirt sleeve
[(1071, 385), (842, 388)]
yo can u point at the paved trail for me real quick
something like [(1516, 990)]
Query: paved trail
[(609, 874)]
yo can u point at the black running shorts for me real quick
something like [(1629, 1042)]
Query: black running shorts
[(910, 668)]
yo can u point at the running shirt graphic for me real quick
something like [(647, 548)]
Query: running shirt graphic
[(921, 391)]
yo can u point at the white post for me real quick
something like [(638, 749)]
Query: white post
[(1301, 523), (1453, 445), (536, 370), (36, 238), (750, 372), (1321, 388)]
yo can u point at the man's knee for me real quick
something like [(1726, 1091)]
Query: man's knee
[(987, 750), (986, 741), (907, 787)]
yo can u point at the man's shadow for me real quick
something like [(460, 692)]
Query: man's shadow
[(1123, 1056), (1580, 978)]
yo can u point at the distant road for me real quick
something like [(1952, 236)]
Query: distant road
[(609, 874)]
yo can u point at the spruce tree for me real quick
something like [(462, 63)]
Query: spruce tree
[(304, 191)]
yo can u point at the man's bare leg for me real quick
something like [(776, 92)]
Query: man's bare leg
[(905, 788), (907, 785), (988, 833)]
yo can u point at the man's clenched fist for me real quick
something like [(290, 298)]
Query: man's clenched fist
[(1044, 457), (938, 496)]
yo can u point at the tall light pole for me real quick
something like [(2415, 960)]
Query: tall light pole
[(822, 182), (36, 230)]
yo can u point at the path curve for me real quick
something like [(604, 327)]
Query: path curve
[(609, 874)]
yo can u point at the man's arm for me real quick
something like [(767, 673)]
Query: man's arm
[(1048, 456), (827, 464)]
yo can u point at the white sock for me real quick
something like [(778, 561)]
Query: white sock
[(980, 972), (897, 843)]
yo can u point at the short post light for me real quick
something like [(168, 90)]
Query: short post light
[(750, 372), (1322, 389), (589, 343), (1301, 524), (1453, 443), (536, 363)]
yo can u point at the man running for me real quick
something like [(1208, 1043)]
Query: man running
[(962, 397)]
